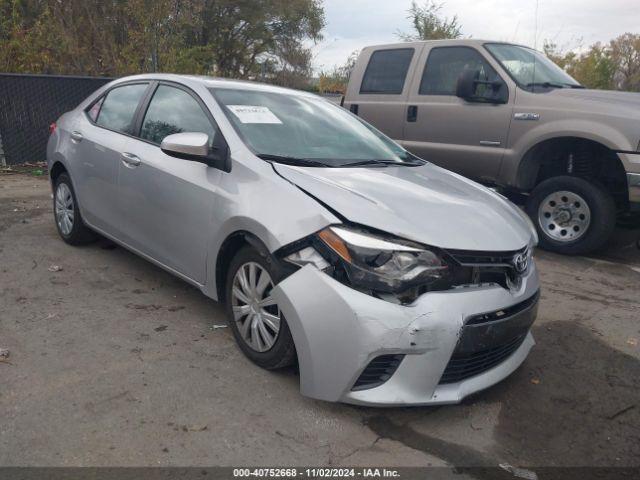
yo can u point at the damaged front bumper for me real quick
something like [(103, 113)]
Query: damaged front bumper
[(443, 347)]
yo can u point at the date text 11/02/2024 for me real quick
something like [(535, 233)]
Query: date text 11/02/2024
[(315, 472)]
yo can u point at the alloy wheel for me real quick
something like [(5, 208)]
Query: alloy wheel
[(65, 211), (564, 216), (254, 310)]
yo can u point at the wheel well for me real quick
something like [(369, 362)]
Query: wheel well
[(232, 245), (578, 157), (57, 169)]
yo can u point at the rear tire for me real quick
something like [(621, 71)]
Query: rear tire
[(572, 216), (250, 278), (67, 215)]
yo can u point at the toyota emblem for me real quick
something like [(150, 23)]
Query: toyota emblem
[(521, 262)]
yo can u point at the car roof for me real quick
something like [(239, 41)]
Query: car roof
[(214, 82)]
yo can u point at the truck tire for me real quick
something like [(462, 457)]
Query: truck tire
[(572, 216)]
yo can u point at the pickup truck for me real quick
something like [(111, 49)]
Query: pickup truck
[(506, 116)]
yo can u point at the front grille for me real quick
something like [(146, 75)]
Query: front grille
[(471, 267), (466, 366), (488, 339), (470, 258), (378, 371)]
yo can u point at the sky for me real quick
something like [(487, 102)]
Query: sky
[(571, 24)]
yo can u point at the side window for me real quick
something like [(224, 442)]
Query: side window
[(386, 71), (94, 111), (173, 110), (119, 107), (446, 64)]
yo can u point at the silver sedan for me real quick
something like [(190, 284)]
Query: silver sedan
[(389, 280)]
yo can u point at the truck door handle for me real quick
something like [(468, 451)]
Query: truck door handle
[(76, 136), (412, 113), (130, 160), (353, 108)]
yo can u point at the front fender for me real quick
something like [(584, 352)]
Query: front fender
[(595, 131)]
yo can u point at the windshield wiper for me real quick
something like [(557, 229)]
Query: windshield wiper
[(545, 85), (413, 162), (300, 162)]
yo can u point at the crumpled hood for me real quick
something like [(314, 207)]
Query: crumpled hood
[(426, 204)]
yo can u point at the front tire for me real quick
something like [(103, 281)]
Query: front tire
[(257, 323), (67, 214), (572, 215)]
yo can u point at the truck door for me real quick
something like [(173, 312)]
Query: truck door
[(468, 137), (379, 86)]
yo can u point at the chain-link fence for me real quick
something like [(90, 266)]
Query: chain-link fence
[(29, 104)]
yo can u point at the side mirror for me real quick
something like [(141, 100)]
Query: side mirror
[(467, 88), (194, 146)]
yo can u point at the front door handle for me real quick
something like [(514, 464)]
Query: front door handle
[(76, 136), (412, 113), (130, 160)]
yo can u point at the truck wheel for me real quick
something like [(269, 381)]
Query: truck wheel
[(255, 319), (572, 215)]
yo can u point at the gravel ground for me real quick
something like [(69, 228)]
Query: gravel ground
[(116, 363)]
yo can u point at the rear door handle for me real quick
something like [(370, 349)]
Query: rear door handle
[(412, 113), (130, 160), (353, 108), (76, 136)]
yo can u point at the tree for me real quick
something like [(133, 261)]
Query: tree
[(613, 66), (429, 25), (266, 39), (337, 79), (625, 53), (594, 68)]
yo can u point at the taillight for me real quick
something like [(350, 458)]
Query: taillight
[(52, 128)]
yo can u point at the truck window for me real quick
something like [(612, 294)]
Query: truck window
[(386, 71), (444, 66)]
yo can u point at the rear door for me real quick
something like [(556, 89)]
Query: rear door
[(379, 86), (463, 136), (168, 203), (99, 136)]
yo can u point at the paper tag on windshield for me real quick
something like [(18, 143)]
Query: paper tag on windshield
[(253, 114)]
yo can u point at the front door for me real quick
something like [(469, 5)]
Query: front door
[(168, 203), (466, 137)]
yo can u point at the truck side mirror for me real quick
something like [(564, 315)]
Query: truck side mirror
[(467, 88)]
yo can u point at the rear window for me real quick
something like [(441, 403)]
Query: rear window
[(119, 106), (387, 71)]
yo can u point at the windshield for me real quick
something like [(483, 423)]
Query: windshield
[(307, 131), (530, 68)]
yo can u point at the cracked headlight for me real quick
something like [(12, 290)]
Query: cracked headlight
[(373, 262)]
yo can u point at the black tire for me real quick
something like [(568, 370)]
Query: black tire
[(79, 234), (283, 352), (602, 209)]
